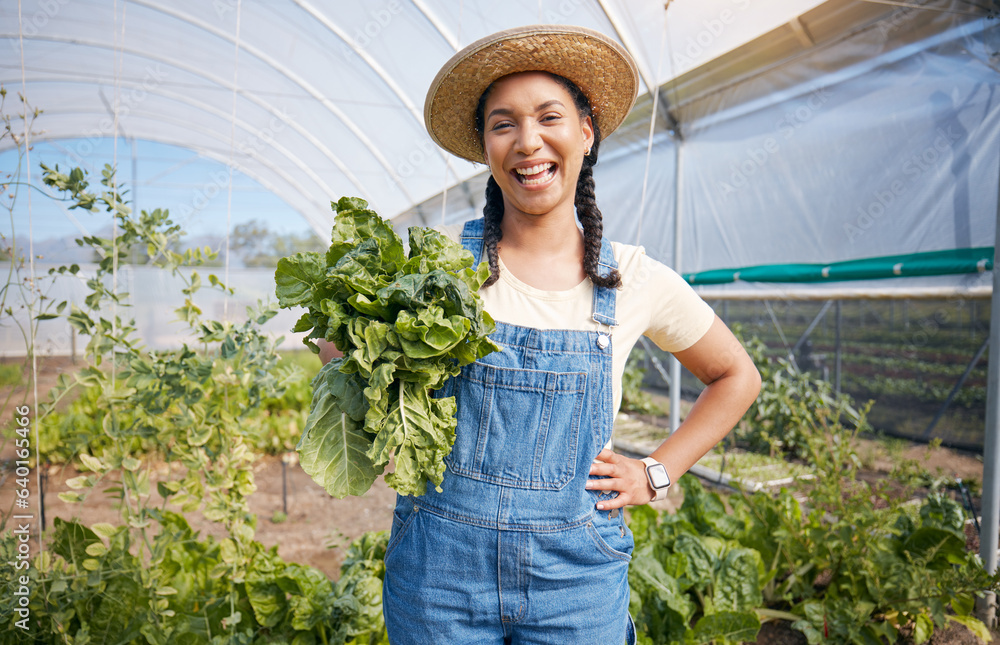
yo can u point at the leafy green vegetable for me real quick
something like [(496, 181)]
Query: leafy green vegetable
[(405, 322)]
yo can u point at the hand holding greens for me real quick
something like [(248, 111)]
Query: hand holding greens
[(405, 323)]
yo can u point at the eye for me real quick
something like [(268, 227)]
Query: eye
[(551, 117), (501, 125)]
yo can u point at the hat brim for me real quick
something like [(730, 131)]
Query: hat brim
[(602, 69)]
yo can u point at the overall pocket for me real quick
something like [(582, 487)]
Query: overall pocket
[(517, 427)]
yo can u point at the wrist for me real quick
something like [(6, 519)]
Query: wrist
[(657, 478)]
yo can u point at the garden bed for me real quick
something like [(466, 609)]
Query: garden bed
[(735, 467)]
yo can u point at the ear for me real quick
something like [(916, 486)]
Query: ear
[(587, 128)]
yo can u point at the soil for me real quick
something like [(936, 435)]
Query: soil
[(318, 528)]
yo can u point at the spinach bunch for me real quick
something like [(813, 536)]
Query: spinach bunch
[(405, 322)]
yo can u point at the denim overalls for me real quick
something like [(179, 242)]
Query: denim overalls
[(514, 549)]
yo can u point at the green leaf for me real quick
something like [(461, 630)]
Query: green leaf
[(974, 625), (935, 546), (92, 463), (963, 603), (430, 250), (421, 432), (96, 549), (701, 562), (726, 626), (264, 592), (659, 605), (105, 530), (198, 435), (360, 270), (430, 333), (333, 448), (295, 278), (76, 483), (737, 582), (923, 627)]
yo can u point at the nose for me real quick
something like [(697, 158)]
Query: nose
[(529, 138)]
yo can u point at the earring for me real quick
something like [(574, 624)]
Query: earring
[(586, 153)]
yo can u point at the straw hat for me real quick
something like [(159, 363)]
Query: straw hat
[(599, 66)]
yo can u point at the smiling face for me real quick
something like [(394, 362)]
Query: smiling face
[(534, 141)]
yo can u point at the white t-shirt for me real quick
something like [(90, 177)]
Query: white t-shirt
[(654, 301)]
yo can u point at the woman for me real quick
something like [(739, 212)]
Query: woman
[(527, 542)]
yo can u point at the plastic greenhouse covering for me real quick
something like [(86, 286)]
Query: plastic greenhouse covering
[(878, 141)]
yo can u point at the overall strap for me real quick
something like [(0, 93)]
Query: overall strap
[(472, 239), (604, 297)]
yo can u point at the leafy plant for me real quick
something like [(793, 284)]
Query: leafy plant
[(790, 404), (691, 579), (152, 579), (404, 323), (89, 588), (853, 564), (634, 398)]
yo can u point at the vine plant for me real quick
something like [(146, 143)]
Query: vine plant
[(151, 578)]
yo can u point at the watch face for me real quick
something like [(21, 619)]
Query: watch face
[(658, 477)]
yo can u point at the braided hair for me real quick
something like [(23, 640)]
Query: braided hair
[(585, 200)]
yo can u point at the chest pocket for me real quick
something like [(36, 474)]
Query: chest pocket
[(517, 427)]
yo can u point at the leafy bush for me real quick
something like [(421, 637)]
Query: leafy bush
[(634, 398), (90, 588), (151, 579), (273, 428), (851, 566), (691, 578), (790, 405)]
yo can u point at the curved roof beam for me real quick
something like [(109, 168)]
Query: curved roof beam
[(363, 55), (375, 67), (290, 74), (640, 62), (205, 107), (316, 223), (437, 24), (267, 107)]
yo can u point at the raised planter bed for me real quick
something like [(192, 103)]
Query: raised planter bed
[(735, 468)]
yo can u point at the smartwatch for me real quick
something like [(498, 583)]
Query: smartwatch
[(659, 480)]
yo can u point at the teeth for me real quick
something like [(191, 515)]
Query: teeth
[(534, 170), (532, 182)]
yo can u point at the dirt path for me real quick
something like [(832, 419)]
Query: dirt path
[(316, 532)]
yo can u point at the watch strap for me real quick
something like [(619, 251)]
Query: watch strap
[(659, 493)]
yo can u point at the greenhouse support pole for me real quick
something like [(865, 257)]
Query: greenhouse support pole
[(838, 355), (675, 365), (986, 606)]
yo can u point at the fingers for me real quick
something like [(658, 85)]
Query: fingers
[(621, 474)]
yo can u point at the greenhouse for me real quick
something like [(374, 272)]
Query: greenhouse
[(178, 466)]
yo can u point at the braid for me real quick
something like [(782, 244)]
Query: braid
[(492, 214), (593, 226)]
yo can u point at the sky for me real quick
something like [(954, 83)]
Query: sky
[(193, 188)]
